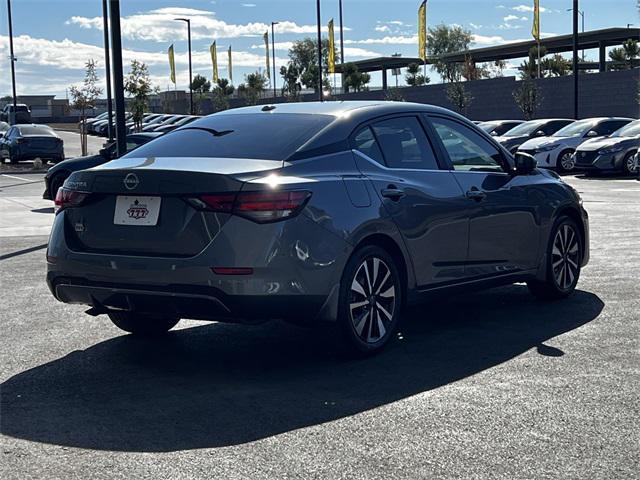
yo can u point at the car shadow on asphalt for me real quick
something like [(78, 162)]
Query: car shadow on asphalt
[(219, 385)]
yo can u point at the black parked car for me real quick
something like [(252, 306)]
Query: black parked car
[(57, 174), (338, 212), (28, 142), (496, 128), (515, 137), (170, 120)]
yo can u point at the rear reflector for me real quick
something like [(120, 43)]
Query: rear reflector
[(260, 207), (68, 198), (232, 270)]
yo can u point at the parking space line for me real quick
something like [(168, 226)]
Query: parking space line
[(17, 178)]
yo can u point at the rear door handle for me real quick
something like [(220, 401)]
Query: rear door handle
[(392, 192), (475, 194)]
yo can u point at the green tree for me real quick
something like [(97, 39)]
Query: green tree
[(458, 96), (303, 56), (556, 66), (253, 86), (529, 68), (291, 81), (138, 84), (353, 79), (221, 93), (200, 84), (413, 76), (626, 55), (84, 98), (528, 97), (443, 39), (471, 71)]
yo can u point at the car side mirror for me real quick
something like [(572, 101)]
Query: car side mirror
[(104, 153), (592, 133), (525, 163), (494, 133), (540, 133)]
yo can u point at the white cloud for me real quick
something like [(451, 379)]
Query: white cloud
[(510, 18), (159, 25), (475, 25), (349, 52), (526, 8), (486, 41), (69, 55), (249, 5), (388, 40), (382, 28)]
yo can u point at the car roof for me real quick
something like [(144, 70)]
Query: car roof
[(333, 108)]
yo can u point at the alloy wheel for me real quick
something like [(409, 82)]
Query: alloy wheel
[(631, 164), (565, 254), (567, 161), (372, 300)]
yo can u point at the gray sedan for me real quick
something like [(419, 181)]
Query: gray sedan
[(335, 213)]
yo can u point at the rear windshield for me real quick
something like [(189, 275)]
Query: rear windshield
[(35, 130), (262, 136)]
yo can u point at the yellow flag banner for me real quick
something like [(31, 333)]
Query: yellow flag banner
[(422, 31), (230, 66), (535, 29), (266, 47), (214, 60), (332, 49), (172, 65)]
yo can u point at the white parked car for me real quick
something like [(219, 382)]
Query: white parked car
[(556, 151)]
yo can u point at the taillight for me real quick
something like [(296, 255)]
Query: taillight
[(66, 198), (261, 207)]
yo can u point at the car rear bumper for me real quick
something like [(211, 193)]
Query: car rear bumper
[(296, 268), (185, 301)]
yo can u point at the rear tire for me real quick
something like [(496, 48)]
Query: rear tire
[(371, 298), (143, 325), (564, 259)]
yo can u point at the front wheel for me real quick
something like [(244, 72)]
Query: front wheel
[(629, 166), (564, 259), (371, 297), (566, 162), (141, 324)]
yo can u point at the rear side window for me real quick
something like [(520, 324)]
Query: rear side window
[(365, 143), (404, 144), (262, 136)]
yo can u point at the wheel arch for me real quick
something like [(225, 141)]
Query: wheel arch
[(574, 214), (389, 245)]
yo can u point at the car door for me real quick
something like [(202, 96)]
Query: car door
[(503, 231), (424, 200)]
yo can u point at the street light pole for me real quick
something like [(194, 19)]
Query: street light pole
[(273, 55), (107, 68), (118, 78), (188, 21), (12, 115), (319, 52), (575, 59), (342, 47), (581, 12)]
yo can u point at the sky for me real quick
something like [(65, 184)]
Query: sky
[(53, 39)]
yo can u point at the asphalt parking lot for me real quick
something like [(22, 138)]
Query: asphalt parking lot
[(487, 385)]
